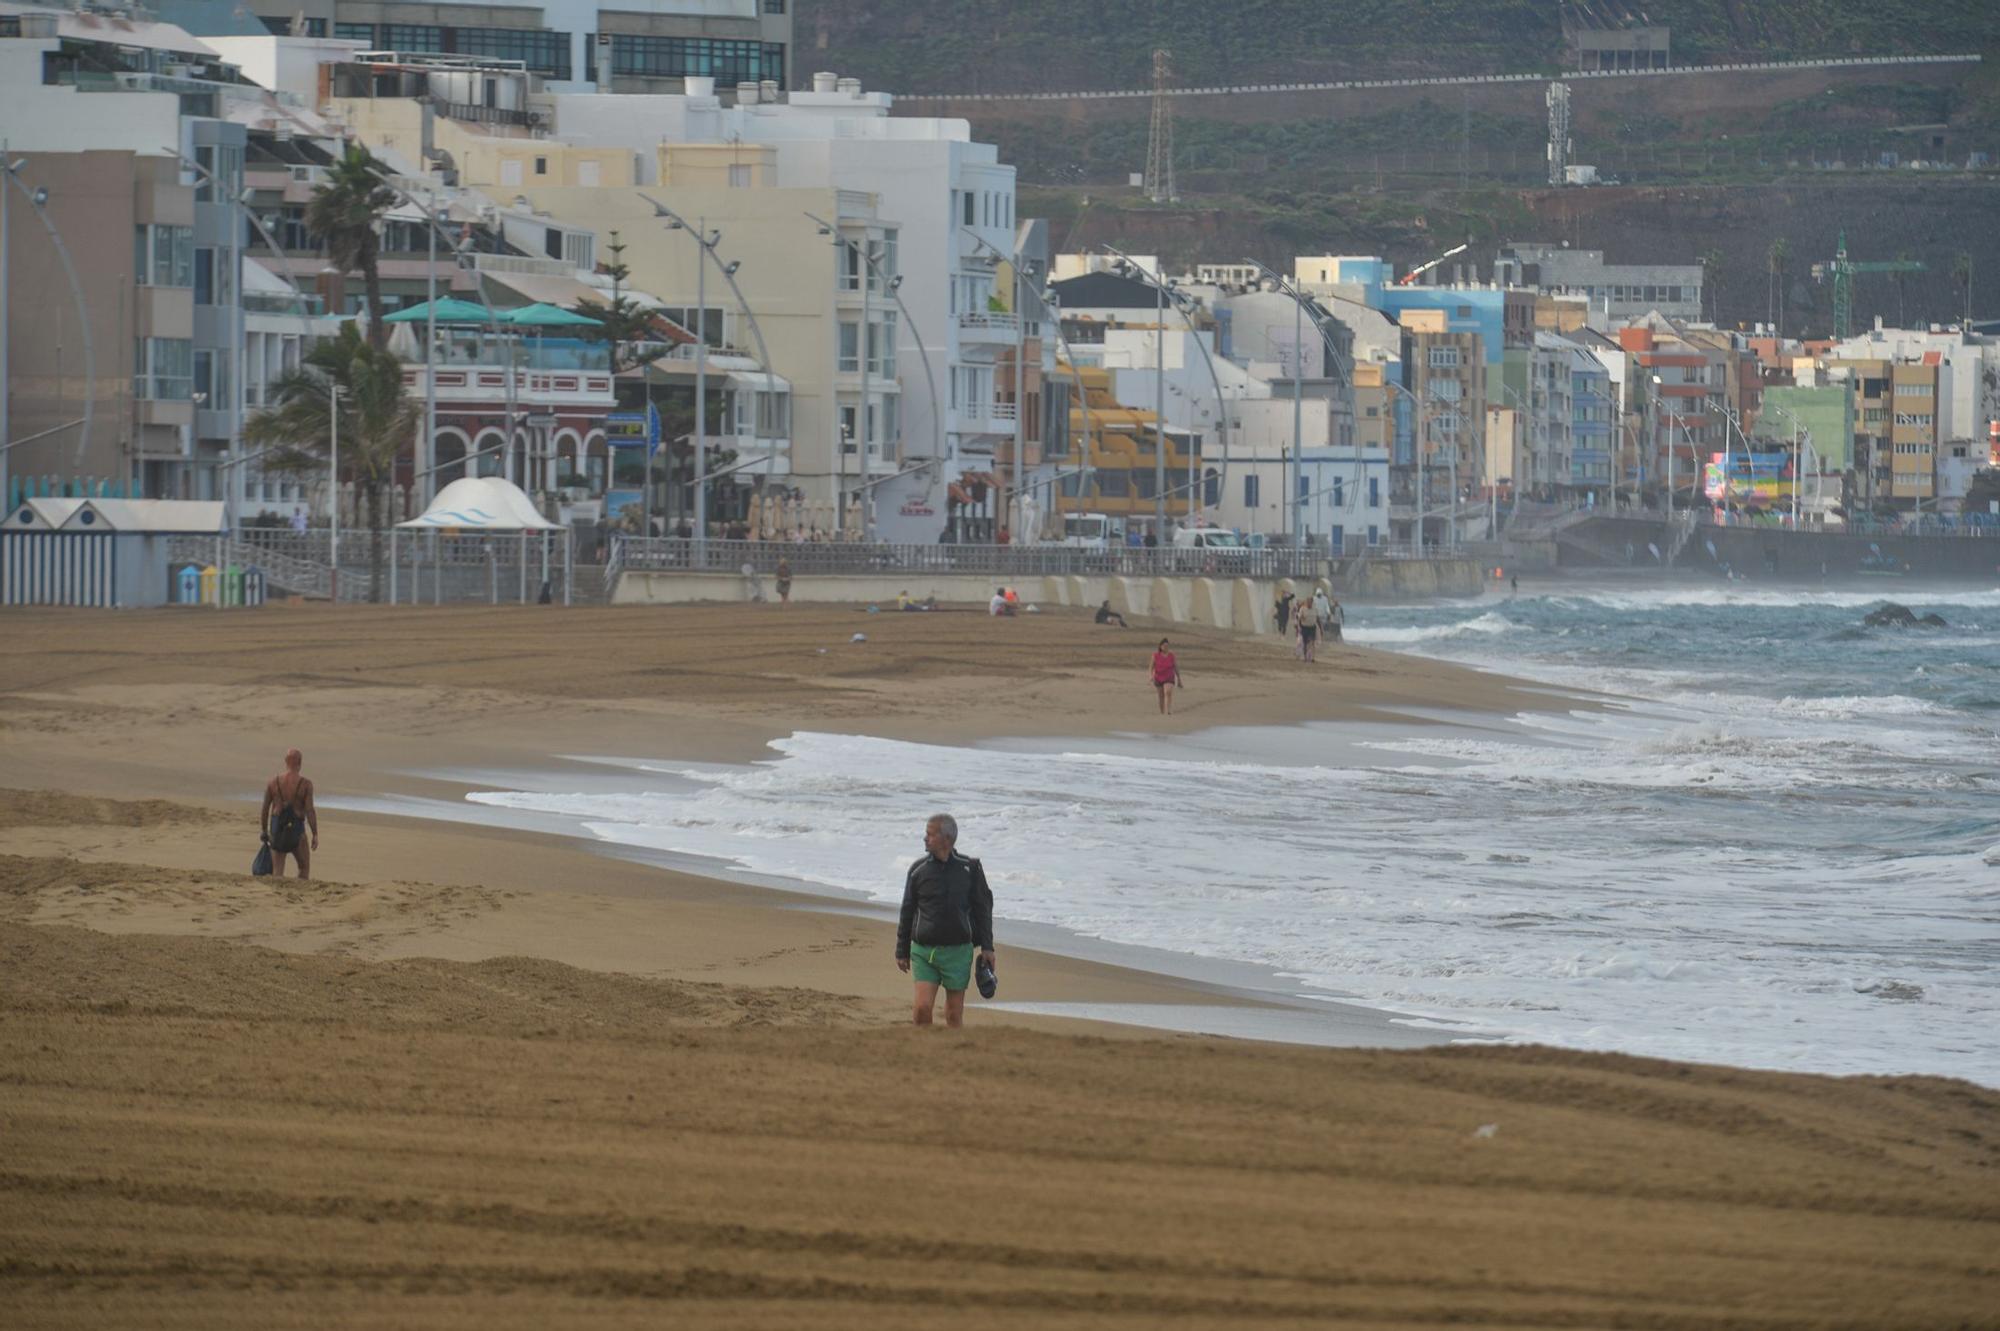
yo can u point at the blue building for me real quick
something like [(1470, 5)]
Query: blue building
[(1593, 449)]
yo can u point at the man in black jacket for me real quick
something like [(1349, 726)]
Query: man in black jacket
[(947, 913)]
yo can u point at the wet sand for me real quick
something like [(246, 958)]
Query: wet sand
[(479, 1077)]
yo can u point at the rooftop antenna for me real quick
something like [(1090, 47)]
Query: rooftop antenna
[(1160, 143)]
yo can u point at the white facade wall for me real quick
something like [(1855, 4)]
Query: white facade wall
[(1968, 373), (920, 171)]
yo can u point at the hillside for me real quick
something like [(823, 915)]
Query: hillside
[(945, 46), (1933, 220)]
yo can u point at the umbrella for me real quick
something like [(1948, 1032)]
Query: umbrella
[(450, 310), (549, 316)]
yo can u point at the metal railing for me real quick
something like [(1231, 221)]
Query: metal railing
[(632, 554)]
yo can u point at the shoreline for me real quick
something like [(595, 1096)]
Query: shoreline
[(491, 1078)]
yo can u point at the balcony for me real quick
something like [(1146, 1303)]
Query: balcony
[(988, 418), (461, 384), (988, 327)]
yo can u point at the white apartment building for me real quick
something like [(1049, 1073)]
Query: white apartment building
[(948, 200), (632, 46)]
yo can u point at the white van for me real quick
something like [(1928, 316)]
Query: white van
[(1207, 538), (1087, 531)]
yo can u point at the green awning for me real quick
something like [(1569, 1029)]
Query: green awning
[(450, 310), (549, 316)]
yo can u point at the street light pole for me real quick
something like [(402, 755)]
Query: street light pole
[(428, 455), (333, 507)]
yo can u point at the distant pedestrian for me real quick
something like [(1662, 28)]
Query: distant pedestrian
[(1336, 620), (299, 521), (1514, 585), (1000, 605), (1166, 676), (1281, 610), (784, 582), (288, 815), (1152, 540), (947, 913), (1106, 615), (1307, 629), (1322, 613)]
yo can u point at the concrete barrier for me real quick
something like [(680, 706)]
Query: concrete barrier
[(1238, 605)]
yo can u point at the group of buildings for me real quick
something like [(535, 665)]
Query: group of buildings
[(879, 345)]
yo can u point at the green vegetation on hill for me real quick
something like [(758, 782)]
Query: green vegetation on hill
[(913, 46)]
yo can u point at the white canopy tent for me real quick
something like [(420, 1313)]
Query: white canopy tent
[(470, 524)]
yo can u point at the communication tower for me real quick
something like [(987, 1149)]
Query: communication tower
[(1559, 145), (1160, 142)]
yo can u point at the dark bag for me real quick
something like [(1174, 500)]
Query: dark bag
[(288, 823), (261, 866)]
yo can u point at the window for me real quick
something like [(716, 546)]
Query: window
[(1444, 358), (1447, 390), (211, 379), (1339, 493), (850, 347), (1374, 501), (1211, 487), (543, 51), (847, 425), (774, 6), (355, 32), (204, 276), (1913, 390), (412, 37), (163, 256), (726, 61), (163, 369), (1305, 487), (968, 208), (1915, 420), (850, 266), (1250, 495), (541, 166), (892, 419)]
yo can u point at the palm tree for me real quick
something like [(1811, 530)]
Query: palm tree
[(1711, 272), (1774, 296), (376, 421), (345, 213)]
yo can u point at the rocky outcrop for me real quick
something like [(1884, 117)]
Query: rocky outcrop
[(1893, 616)]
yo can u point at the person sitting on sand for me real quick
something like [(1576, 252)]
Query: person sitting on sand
[(1000, 605), (287, 814), (1106, 615), (784, 582), (947, 912)]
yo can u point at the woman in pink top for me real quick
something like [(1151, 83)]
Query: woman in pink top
[(1165, 675)]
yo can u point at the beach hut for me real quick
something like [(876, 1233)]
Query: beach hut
[(477, 524), (98, 552)]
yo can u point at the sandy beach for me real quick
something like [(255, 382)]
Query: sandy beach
[(477, 1076)]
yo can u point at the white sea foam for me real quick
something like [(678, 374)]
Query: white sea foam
[(1485, 625), (1467, 892)]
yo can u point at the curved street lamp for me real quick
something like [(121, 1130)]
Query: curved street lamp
[(893, 285)]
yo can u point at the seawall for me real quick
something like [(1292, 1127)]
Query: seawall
[(1240, 605)]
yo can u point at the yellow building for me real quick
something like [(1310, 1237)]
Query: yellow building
[(499, 157), (1913, 431), (1123, 445)]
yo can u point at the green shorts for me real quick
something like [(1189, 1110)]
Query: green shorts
[(948, 966)]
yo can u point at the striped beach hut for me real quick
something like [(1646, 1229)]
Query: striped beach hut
[(96, 552)]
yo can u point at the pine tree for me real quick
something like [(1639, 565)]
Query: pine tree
[(623, 323)]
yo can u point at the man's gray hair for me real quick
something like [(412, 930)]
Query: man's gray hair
[(946, 824)]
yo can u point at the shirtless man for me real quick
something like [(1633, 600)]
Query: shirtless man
[(289, 789)]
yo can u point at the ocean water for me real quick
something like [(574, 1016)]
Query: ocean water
[(1778, 847)]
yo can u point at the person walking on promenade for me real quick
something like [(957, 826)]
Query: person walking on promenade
[(947, 913), (1308, 630), (784, 581), (1166, 676), (286, 816)]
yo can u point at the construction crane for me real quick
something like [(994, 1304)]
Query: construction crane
[(1410, 278), (1843, 271)]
